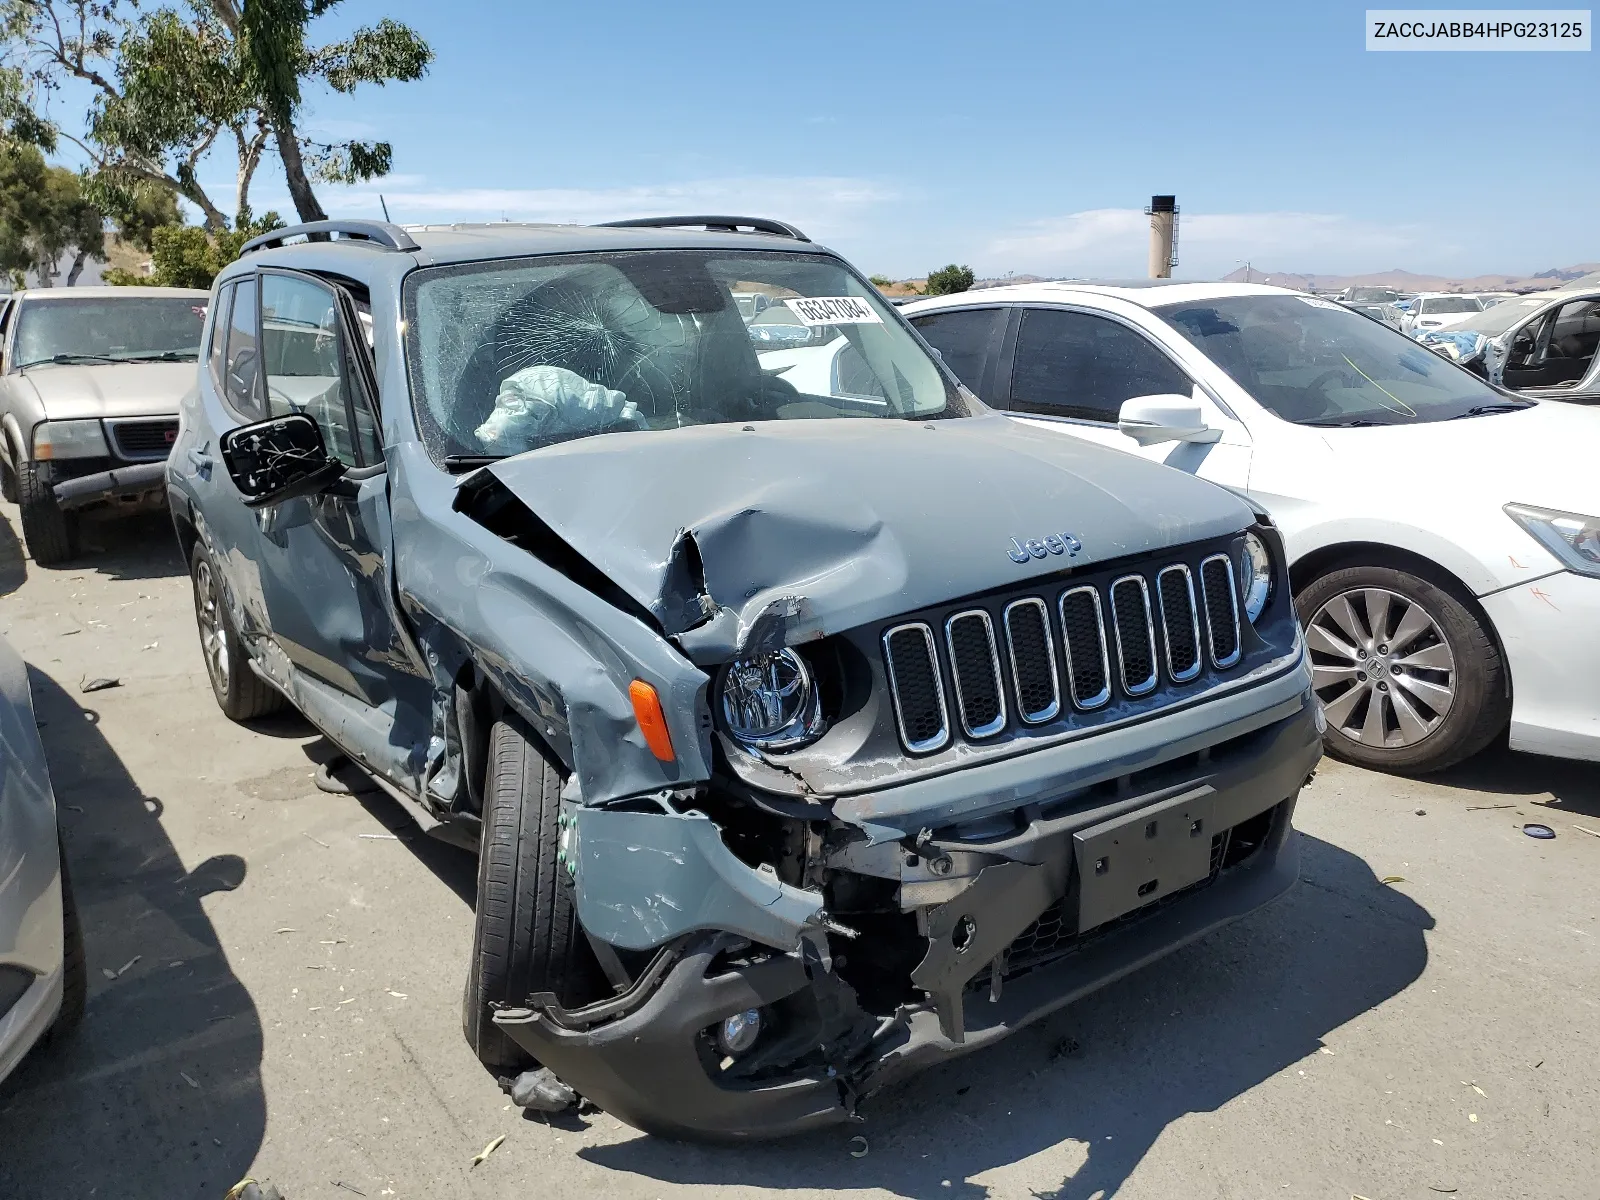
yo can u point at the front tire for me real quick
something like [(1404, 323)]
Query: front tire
[(241, 693), (527, 938), (50, 534), (1407, 674)]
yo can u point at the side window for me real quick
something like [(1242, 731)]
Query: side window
[(1576, 334), (219, 331), (241, 383), (308, 368), (967, 340), (1072, 364)]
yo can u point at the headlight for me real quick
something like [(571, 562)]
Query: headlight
[(771, 702), (1571, 537), (68, 439), (1258, 576)]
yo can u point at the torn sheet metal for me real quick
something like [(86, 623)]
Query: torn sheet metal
[(647, 877), (804, 528)]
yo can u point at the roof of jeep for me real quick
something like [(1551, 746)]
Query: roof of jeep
[(446, 244)]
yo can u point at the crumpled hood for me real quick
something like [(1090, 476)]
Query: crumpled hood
[(804, 528), (112, 389)]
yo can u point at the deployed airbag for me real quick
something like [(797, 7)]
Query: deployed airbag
[(545, 401)]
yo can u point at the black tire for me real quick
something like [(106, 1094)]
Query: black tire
[(527, 938), (8, 477), (1481, 703), (241, 693), (75, 966), (50, 535)]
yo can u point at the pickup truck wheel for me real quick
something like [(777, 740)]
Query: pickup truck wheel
[(1407, 675), (527, 938), (50, 535), (241, 693)]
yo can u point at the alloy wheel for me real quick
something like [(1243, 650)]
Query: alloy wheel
[(1381, 667), (213, 632)]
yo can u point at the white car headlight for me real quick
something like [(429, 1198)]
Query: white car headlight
[(771, 701), (1258, 576), (1571, 537), (68, 439)]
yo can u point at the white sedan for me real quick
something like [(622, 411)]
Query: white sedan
[(1443, 536), (1430, 310)]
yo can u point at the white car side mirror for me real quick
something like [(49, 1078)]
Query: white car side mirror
[(1150, 420)]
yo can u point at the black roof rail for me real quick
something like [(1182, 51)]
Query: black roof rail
[(380, 233), (717, 224)]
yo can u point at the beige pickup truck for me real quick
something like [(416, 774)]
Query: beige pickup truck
[(90, 380)]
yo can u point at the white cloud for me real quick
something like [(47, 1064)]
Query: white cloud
[(1114, 242)]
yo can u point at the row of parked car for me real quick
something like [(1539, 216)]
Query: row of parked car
[(948, 661)]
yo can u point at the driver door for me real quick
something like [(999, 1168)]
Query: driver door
[(325, 560)]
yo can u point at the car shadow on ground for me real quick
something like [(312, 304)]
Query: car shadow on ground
[(159, 1092), (1574, 787), (140, 546), (1113, 1071)]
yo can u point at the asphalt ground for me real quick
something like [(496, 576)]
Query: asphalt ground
[(276, 982)]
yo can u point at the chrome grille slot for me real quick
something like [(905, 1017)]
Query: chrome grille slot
[(1136, 648), (1083, 633), (1033, 661), (1180, 622), (1222, 609), (918, 695), (969, 636)]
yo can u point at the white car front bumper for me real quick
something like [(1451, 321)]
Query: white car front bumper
[(1548, 629)]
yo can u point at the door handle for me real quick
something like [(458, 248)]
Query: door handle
[(200, 459)]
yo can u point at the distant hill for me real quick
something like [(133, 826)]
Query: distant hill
[(1408, 281)]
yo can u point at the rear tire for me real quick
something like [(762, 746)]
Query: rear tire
[(1420, 692), (50, 534), (241, 693), (527, 938)]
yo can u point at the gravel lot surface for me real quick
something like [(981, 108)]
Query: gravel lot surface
[(288, 964)]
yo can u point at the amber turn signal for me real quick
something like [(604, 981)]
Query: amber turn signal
[(652, 722)]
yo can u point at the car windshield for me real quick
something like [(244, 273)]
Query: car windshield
[(1316, 363), (1435, 306), (109, 329), (1371, 293), (512, 355)]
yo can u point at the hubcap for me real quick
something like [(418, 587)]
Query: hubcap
[(1381, 667), (213, 634)]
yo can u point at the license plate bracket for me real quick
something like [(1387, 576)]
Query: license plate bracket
[(1136, 859)]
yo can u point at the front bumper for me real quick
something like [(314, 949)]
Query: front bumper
[(1547, 628), (645, 1056), (134, 484)]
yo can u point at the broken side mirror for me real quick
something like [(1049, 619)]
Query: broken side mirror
[(1150, 420), (278, 459)]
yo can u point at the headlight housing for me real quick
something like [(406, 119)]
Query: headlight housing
[(1571, 537), (68, 439), (1257, 576), (771, 701)]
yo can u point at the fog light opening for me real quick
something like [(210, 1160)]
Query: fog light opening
[(738, 1033)]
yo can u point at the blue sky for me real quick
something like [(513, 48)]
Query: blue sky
[(1018, 137)]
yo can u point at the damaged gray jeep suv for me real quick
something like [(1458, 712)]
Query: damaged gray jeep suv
[(812, 723)]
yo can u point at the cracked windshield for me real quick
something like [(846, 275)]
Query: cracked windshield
[(138, 329), (1316, 363), (513, 357)]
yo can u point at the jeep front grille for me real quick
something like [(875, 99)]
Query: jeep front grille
[(1148, 622), (915, 685)]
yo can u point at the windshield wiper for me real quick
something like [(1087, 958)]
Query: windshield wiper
[(1485, 410), (62, 360), (1353, 423), (459, 464), (161, 356)]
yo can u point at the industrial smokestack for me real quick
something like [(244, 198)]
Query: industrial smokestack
[(1163, 212)]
